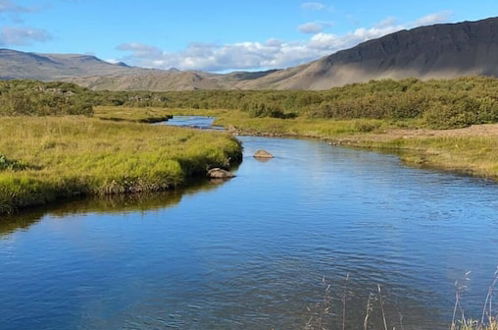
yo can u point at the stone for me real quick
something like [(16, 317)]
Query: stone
[(263, 154), (218, 173)]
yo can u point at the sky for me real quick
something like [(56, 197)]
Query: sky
[(217, 35)]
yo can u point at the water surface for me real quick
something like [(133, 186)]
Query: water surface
[(251, 253), (199, 122)]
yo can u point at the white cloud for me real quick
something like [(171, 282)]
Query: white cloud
[(140, 50), (263, 55), (112, 61), (389, 21), (434, 18), (312, 27), (17, 36), (313, 6)]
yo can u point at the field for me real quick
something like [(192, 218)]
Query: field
[(49, 158)]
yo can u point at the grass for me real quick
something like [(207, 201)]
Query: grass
[(331, 311), (63, 157), (143, 115), (468, 150), (472, 155)]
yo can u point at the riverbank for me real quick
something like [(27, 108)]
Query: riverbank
[(470, 150), (54, 158)]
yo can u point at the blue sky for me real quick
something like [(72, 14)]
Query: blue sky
[(216, 35)]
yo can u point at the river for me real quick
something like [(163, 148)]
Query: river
[(258, 251)]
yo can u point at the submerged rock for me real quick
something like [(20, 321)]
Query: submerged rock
[(218, 173), (263, 154)]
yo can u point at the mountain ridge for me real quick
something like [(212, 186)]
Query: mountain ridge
[(437, 51)]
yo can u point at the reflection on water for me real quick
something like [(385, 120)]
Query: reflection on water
[(252, 252), (106, 204), (199, 122)]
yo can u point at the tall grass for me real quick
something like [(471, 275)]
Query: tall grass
[(322, 316), (68, 156)]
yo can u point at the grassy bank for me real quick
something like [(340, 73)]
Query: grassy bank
[(149, 115), (468, 150), (138, 115), (45, 159)]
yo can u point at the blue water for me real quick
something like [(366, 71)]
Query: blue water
[(251, 253), (199, 122)]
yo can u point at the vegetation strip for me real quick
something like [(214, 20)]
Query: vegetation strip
[(60, 157)]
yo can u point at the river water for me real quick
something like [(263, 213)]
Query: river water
[(259, 251)]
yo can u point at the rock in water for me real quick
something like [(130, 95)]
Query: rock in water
[(218, 173), (262, 154)]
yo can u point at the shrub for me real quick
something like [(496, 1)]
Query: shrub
[(462, 112), (7, 164), (34, 98)]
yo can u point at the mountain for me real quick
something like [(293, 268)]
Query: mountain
[(20, 65), (437, 51)]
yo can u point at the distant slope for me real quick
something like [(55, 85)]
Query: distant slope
[(20, 65), (159, 80), (155, 81), (438, 51)]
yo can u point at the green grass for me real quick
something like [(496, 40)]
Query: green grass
[(71, 156), (466, 153), (147, 115), (142, 115)]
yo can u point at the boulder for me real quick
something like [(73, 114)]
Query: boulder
[(263, 154), (218, 173)]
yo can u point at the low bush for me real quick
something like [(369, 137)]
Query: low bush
[(7, 164), (34, 98)]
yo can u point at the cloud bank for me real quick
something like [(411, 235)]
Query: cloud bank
[(265, 55)]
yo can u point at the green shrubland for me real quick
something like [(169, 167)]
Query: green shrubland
[(34, 98), (440, 104)]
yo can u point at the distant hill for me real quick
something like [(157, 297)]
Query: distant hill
[(20, 65), (437, 51)]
